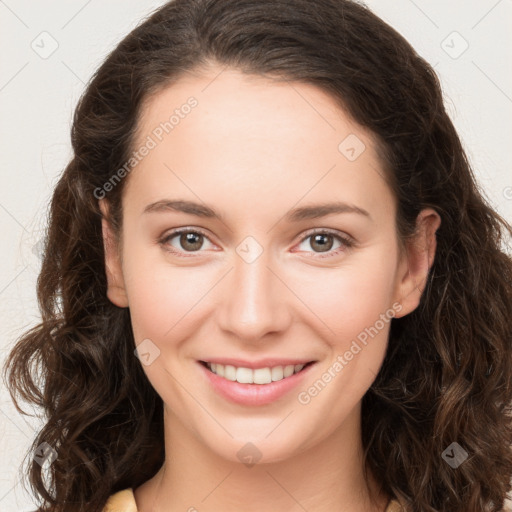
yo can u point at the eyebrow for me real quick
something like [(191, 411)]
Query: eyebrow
[(315, 211)]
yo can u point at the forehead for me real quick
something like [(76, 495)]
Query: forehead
[(260, 109), (258, 138)]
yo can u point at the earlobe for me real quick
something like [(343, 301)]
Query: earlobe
[(418, 259), (116, 291)]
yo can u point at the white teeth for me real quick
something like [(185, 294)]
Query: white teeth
[(277, 373), (288, 370), (229, 372), (244, 375), (262, 376), (258, 376)]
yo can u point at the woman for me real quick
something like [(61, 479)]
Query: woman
[(198, 351)]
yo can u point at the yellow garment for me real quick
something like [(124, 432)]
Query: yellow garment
[(124, 501)]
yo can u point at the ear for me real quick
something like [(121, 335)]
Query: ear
[(116, 291), (416, 261)]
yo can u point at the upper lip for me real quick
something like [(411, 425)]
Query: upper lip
[(261, 363)]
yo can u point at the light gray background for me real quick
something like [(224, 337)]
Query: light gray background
[(38, 95)]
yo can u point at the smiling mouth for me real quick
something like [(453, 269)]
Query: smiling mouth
[(260, 376)]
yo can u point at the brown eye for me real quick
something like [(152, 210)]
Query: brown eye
[(191, 241), (183, 241), (322, 242)]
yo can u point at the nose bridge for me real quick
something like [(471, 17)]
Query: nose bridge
[(252, 302)]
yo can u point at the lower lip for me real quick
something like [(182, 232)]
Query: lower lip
[(254, 394)]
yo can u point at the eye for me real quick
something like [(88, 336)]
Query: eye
[(190, 240), (322, 240)]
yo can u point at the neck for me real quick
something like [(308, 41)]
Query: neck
[(328, 477)]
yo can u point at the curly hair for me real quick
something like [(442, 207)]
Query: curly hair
[(447, 373)]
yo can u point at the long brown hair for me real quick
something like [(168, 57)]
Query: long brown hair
[(447, 374)]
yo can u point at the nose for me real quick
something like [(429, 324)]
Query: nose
[(254, 301)]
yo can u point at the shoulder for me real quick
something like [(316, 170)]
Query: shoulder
[(394, 506), (122, 501)]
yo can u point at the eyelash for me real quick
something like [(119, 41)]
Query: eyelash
[(347, 242)]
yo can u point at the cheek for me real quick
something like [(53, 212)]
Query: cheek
[(350, 299), (347, 299), (162, 297), (357, 306), (164, 300)]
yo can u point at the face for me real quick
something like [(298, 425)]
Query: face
[(289, 256)]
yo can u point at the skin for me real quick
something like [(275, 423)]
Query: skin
[(254, 149)]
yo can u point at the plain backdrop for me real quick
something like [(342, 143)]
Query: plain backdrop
[(48, 52)]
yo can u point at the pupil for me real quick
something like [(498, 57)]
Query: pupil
[(323, 246), (191, 238), (195, 239)]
